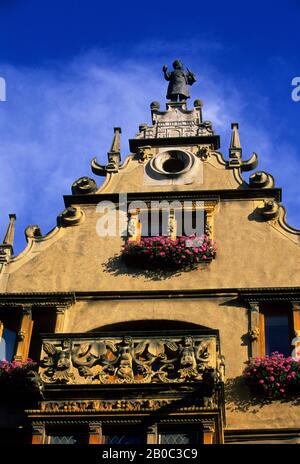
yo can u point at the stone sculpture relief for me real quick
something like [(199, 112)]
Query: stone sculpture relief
[(129, 360)]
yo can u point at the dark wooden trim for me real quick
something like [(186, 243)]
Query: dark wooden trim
[(213, 140), (200, 195)]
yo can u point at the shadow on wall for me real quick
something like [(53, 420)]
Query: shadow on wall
[(116, 266), (239, 398), (150, 325)]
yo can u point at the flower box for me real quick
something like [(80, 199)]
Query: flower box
[(19, 381), (164, 252), (275, 376)]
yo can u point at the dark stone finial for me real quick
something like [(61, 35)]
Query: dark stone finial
[(179, 80), (198, 103), (155, 105)]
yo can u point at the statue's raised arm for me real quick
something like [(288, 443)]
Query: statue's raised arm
[(179, 80)]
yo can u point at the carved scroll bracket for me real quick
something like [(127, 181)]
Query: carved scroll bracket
[(254, 324), (24, 334)]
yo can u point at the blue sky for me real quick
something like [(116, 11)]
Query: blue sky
[(75, 69)]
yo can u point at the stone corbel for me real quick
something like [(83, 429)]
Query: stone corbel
[(152, 436), (95, 433), (254, 328), (38, 434), (134, 227), (208, 433), (24, 334), (60, 319)]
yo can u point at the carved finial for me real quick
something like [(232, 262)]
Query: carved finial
[(235, 149), (115, 147), (114, 155), (8, 240)]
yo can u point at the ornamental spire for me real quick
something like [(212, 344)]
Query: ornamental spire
[(114, 155), (8, 240), (235, 149)]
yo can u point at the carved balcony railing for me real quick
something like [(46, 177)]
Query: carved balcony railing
[(92, 359)]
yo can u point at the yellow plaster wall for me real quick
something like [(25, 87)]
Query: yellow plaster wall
[(250, 254)]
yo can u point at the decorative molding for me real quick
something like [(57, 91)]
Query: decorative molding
[(270, 210), (261, 179), (84, 186), (120, 406), (25, 301), (33, 232), (132, 360), (71, 216)]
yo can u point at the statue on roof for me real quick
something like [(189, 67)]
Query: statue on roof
[(179, 80)]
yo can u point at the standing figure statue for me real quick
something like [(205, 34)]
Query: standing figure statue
[(179, 80)]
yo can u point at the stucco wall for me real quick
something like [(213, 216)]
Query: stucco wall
[(250, 254)]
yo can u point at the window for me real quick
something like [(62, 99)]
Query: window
[(7, 345), (9, 327), (157, 223), (43, 322), (276, 330), (178, 438), (67, 437), (63, 440), (126, 436)]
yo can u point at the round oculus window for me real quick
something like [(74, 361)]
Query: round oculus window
[(172, 162)]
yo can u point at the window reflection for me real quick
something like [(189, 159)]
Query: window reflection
[(7, 345), (277, 334)]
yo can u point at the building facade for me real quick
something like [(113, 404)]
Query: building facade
[(130, 350)]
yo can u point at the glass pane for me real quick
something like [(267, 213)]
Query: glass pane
[(177, 438), (7, 345), (277, 334), (63, 440), (122, 439)]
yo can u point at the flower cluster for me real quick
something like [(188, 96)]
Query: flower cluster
[(14, 374), (164, 252), (276, 376)]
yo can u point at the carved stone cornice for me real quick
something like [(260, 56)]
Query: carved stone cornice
[(125, 406), (257, 295), (37, 300)]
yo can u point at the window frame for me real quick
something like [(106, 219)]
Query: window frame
[(274, 308)]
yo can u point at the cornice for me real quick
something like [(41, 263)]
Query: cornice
[(225, 194), (212, 140), (69, 298), (37, 299)]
